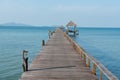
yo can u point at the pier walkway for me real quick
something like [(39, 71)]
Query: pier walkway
[(58, 60)]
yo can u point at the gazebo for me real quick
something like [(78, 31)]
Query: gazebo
[(71, 24)]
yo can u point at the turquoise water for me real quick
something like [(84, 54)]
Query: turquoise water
[(12, 42), (101, 43)]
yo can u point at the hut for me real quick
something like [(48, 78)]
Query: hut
[(73, 30)]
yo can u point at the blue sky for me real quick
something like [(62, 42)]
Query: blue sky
[(85, 13)]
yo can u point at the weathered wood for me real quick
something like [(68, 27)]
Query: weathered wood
[(23, 67), (88, 63), (25, 61), (101, 75), (43, 42), (94, 69), (58, 60), (49, 34), (84, 56)]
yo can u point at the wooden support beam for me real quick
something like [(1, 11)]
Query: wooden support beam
[(49, 33), (25, 61), (43, 42), (101, 75), (88, 62), (94, 69), (84, 56)]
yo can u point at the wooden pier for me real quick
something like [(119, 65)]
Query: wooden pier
[(61, 59)]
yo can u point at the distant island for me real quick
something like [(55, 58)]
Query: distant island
[(14, 24), (20, 25)]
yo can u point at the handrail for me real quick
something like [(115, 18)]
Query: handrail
[(88, 58)]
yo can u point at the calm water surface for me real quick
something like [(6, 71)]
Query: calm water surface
[(12, 42), (101, 43)]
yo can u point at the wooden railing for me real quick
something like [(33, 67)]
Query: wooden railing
[(88, 59), (25, 61), (50, 33)]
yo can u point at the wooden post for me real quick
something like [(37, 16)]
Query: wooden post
[(88, 63), (74, 33), (74, 30), (49, 33), (67, 31), (25, 61), (52, 32), (84, 58), (94, 69), (100, 75), (23, 67), (80, 53), (43, 42)]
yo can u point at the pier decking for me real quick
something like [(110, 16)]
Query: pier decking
[(58, 60)]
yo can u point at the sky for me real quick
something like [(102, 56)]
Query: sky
[(85, 13)]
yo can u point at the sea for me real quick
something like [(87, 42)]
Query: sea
[(101, 43)]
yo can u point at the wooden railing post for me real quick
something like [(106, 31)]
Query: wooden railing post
[(94, 69), (101, 75), (25, 61), (43, 42), (88, 63), (74, 33), (49, 33), (84, 58), (80, 53), (66, 31)]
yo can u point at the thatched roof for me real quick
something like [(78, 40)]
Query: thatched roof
[(71, 23)]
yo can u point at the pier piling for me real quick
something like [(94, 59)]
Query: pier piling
[(25, 61)]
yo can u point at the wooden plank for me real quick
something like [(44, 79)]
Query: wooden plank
[(58, 60)]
